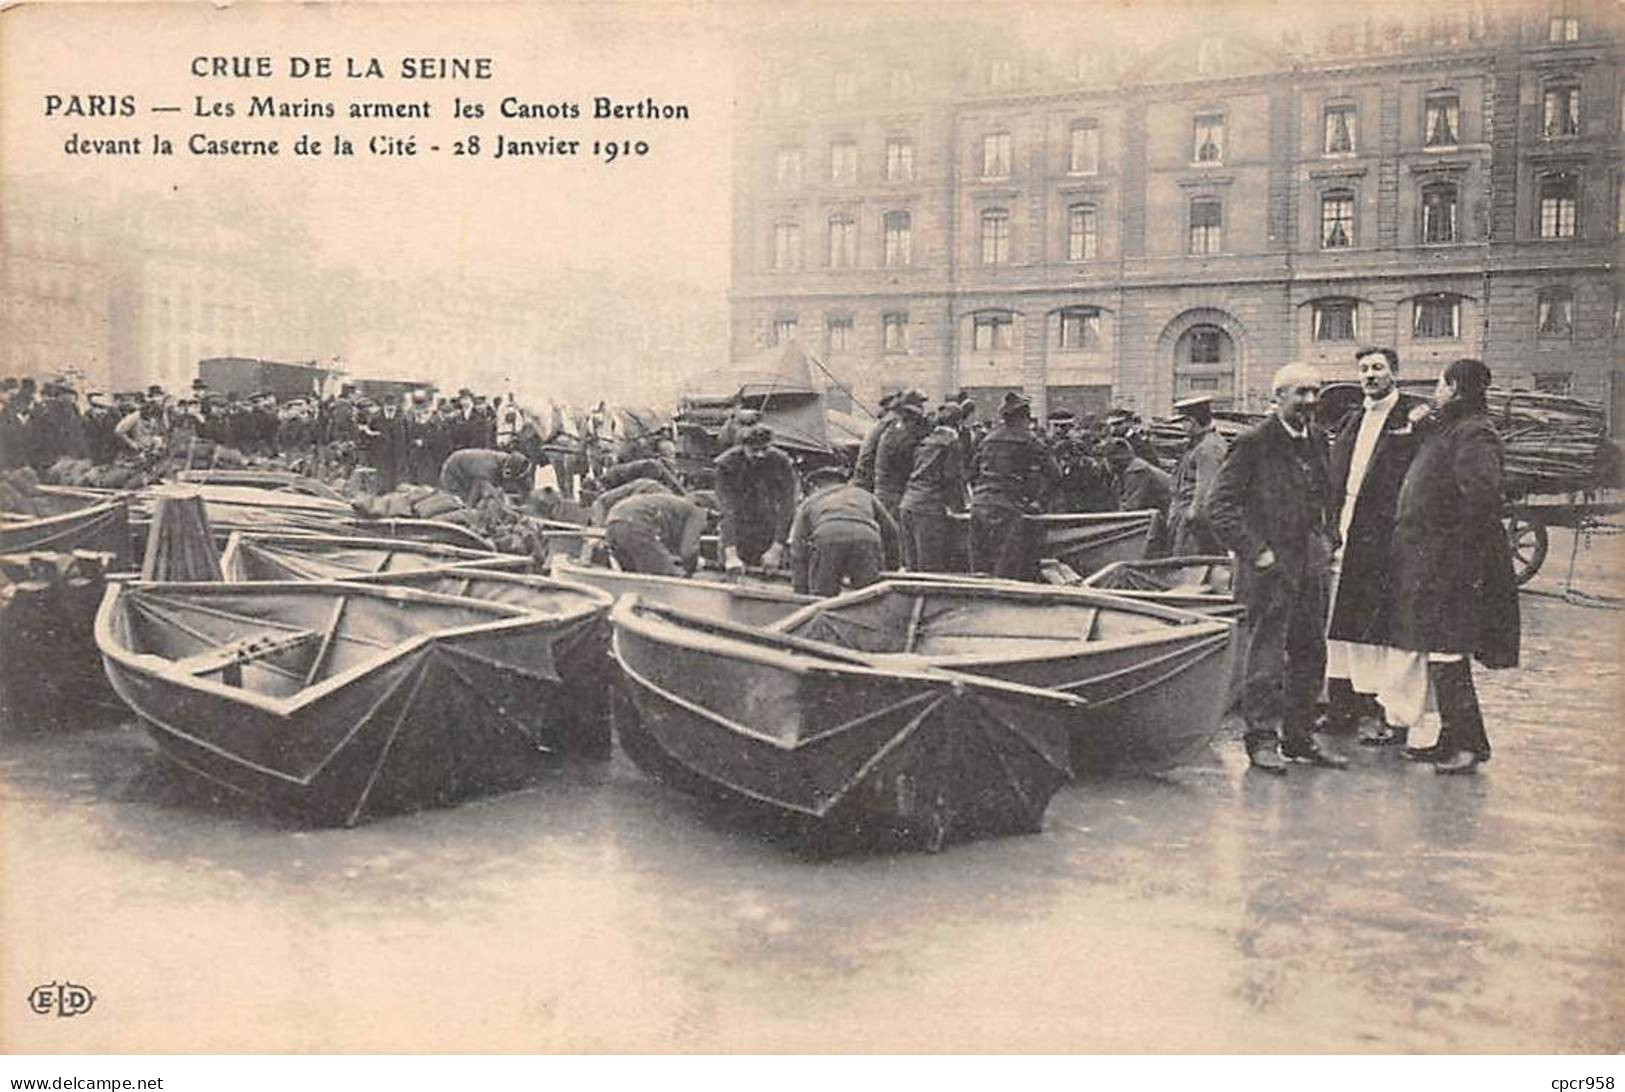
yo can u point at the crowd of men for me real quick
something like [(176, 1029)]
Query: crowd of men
[(406, 439), (1372, 569)]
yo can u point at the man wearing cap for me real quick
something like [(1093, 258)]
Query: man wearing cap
[(841, 536), (1194, 478), (100, 419), (1375, 444), (864, 475), (655, 533), (1271, 507), (733, 429), (474, 472), (1013, 477), (935, 489), (756, 490), (894, 454)]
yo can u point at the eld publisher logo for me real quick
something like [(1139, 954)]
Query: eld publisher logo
[(62, 998)]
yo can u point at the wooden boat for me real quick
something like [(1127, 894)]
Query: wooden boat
[(1091, 540), (276, 481), (1197, 582), (75, 519), (245, 508), (251, 556), (746, 601), (1084, 540), (1155, 677), (844, 745), (338, 702)]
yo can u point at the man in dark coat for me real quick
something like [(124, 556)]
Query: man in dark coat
[(1194, 478), (894, 454), (1141, 486), (1013, 477), (655, 533), (756, 490), (1270, 505), (863, 476), (387, 433), (935, 489), (1370, 685), (16, 433), (475, 471), (1455, 596), (841, 536)]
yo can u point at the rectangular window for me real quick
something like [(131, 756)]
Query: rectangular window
[(1207, 225), (992, 333), (1560, 114), (843, 242), (784, 329), (1083, 153), (1436, 317), (1080, 329), (995, 237), (1080, 233), (1555, 314), (1207, 144), (1207, 346), (1201, 382), (1439, 214), (1340, 130), (899, 160), (787, 168), (996, 155), (1001, 75), (1337, 221), (1441, 127), (786, 246), (894, 330), (1563, 28), (838, 332), (899, 239), (901, 83), (1334, 320), (846, 86), (843, 162), (1559, 206)]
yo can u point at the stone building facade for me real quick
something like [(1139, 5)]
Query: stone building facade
[(1103, 225)]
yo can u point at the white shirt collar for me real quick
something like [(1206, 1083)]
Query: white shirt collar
[(1296, 434), (1385, 403)]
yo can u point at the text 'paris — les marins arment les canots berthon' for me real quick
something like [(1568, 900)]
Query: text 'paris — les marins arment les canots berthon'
[(220, 107)]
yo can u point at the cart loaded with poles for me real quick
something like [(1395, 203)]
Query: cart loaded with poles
[(1560, 470)]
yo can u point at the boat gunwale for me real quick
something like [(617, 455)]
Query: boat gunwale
[(509, 618), (757, 592), (96, 506), (239, 536), (1190, 624), (744, 644)]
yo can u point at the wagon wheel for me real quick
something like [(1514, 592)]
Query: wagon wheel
[(1526, 535)]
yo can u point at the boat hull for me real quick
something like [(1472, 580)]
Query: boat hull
[(253, 557), (1155, 689), (440, 699), (748, 604), (89, 521), (854, 755)]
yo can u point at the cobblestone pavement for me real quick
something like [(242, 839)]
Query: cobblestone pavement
[(1381, 908)]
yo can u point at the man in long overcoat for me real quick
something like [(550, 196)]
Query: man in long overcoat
[(1374, 445), (1455, 596), (1014, 473), (1194, 478), (1271, 506)]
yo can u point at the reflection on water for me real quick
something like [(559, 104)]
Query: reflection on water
[(1381, 908)]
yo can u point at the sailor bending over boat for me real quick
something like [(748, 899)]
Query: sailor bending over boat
[(475, 471), (842, 535), (655, 533), (756, 490)]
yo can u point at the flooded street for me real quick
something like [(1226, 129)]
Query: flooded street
[(1380, 909)]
